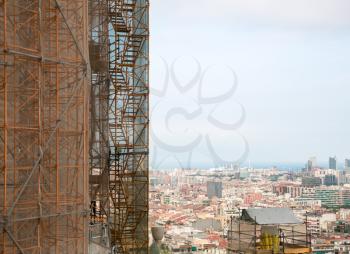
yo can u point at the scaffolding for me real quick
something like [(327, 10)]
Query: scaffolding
[(128, 123), (99, 102), (250, 237), (62, 140), (119, 61), (44, 112)]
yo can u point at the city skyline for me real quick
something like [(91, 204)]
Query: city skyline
[(296, 165)]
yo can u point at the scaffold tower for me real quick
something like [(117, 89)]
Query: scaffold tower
[(128, 161), (119, 120), (73, 125), (44, 109)]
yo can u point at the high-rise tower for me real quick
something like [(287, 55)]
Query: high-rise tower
[(333, 162), (311, 163), (347, 165)]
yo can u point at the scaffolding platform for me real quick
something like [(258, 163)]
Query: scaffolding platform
[(268, 230)]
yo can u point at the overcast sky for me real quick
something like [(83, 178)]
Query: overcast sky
[(288, 99)]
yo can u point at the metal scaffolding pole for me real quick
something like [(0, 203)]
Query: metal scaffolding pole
[(43, 126), (49, 52), (128, 124), (119, 60)]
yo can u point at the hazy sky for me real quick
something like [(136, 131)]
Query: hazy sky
[(291, 61)]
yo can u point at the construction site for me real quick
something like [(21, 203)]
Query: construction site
[(268, 231), (74, 117)]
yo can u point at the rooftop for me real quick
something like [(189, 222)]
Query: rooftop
[(270, 216)]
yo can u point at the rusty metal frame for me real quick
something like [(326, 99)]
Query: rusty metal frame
[(99, 115), (119, 174), (45, 146), (128, 123), (44, 111)]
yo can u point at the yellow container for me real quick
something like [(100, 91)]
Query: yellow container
[(263, 241), (276, 244), (269, 242)]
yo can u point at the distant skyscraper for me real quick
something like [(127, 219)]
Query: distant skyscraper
[(214, 189), (311, 163), (333, 162), (347, 166)]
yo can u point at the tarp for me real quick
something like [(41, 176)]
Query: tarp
[(270, 216)]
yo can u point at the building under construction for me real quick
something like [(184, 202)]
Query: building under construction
[(74, 126), (268, 231)]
